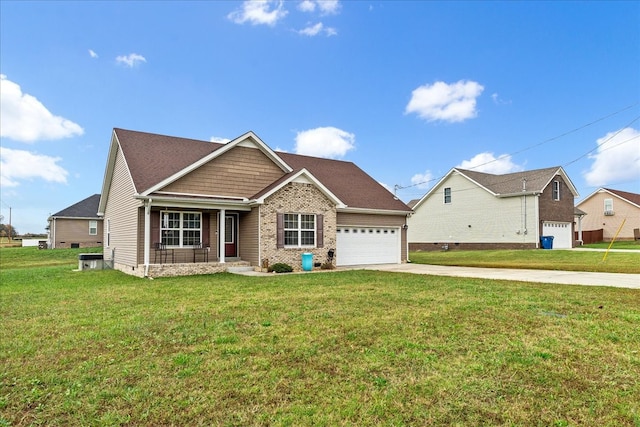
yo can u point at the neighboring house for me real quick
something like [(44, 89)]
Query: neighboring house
[(164, 198), (77, 226), (606, 209), (476, 210)]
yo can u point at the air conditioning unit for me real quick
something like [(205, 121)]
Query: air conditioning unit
[(90, 262), (608, 213)]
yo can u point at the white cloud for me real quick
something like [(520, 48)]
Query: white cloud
[(422, 180), (24, 118), (92, 54), (131, 60), (16, 165), (488, 163), (454, 102), (329, 142), (326, 7), (616, 160), (259, 12), (219, 139), (314, 30), (307, 6)]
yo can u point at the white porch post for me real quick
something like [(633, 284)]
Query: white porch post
[(147, 233), (221, 234), (580, 229)]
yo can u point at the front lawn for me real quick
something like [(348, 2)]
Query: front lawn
[(351, 348), (539, 259)]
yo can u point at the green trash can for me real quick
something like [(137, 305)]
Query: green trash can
[(307, 261)]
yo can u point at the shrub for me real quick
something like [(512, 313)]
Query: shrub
[(327, 266), (281, 267)]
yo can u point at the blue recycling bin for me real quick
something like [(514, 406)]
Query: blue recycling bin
[(307, 261), (546, 242)]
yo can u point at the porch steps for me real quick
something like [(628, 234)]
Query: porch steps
[(240, 269)]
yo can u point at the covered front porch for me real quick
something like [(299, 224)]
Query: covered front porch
[(185, 236)]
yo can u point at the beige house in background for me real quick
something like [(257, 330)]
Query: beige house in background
[(77, 226), (177, 206), (607, 209)]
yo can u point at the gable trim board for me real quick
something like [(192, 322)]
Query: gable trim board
[(487, 211), (146, 173)]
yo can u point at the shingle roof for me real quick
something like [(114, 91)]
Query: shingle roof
[(511, 183), (152, 158), (87, 208), (632, 197)]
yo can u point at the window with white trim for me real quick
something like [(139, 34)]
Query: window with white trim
[(556, 190), (179, 229), (108, 232), (93, 227), (299, 230), (447, 195), (608, 207)]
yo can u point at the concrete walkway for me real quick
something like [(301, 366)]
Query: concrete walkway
[(618, 280)]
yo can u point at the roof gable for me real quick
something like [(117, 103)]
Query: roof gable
[(506, 185), (304, 176), (154, 161), (87, 208), (632, 198)]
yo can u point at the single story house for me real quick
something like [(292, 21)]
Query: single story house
[(177, 206), (77, 226), (475, 210), (613, 212)]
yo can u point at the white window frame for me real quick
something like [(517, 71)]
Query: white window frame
[(178, 227), (108, 232), (93, 227), (447, 195), (556, 190), (296, 227)]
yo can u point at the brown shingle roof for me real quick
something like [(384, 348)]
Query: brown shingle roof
[(511, 183), (632, 197), (153, 158)]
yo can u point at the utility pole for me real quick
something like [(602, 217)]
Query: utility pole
[(10, 224)]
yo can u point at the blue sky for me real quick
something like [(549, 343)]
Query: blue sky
[(406, 90)]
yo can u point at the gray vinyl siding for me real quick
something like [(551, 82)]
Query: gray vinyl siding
[(473, 216), (122, 211)]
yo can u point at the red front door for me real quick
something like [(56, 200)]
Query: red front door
[(231, 235)]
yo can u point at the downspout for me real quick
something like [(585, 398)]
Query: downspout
[(221, 236), (537, 221), (147, 235)]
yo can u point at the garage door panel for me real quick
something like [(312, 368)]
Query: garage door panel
[(561, 232), (367, 245)]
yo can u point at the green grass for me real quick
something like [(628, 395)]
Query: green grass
[(349, 348), (618, 244), (539, 259)]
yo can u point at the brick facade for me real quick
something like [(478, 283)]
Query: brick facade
[(556, 210), (296, 198)]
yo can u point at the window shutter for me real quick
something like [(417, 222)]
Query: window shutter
[(205, 229), (319, 231), (155, 227), (280, 230)]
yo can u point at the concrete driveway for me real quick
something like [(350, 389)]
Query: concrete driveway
[(618, 280)]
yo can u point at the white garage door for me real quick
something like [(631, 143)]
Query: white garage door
[(367, 245), (561, 232)]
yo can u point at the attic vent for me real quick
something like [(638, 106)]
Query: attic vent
[(608, 213)]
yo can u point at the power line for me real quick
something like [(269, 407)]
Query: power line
[(399, 187)]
